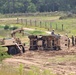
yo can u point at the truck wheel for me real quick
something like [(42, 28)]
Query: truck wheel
[(12, 50)]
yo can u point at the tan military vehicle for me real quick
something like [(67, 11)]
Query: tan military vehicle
[(45, 42), (14, 45)]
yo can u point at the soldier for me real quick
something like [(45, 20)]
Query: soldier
[(75, 40), (19, 41), (72, 40), (68, 42), (52, 32), (58, 36)]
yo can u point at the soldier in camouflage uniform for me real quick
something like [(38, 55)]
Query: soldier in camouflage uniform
[(52, 33), (75, 40), (72, 40), (68, 42)]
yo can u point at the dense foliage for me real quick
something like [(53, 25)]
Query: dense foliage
[(6, 27), (22, 6)]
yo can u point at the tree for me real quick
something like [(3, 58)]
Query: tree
[(22, 6), (31, 8)]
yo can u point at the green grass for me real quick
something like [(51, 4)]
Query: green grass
[(7, 70), (69, 23), (36, 32), (4, 33), (3, 54)]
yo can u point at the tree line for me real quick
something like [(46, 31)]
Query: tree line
[(23, 6)]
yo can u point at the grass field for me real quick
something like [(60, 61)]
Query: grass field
[(69, 25), (47, 23)]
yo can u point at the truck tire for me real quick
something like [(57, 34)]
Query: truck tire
[(12, 50)]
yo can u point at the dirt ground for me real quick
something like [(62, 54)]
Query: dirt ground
[(62, 62)]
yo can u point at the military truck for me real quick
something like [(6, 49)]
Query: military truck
[(14, 45), (44, 42)]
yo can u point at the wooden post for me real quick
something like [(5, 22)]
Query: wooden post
[(26, 21), (40, 23), (62, 27), (17, 20), (30, 23), (50, 25), (21, 21), (45, 25), (35, 23)]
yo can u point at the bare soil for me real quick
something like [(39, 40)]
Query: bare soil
[(48, 60)]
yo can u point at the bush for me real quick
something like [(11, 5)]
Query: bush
[(67, 16), (13, 28), (6, 27), (3, 54)]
